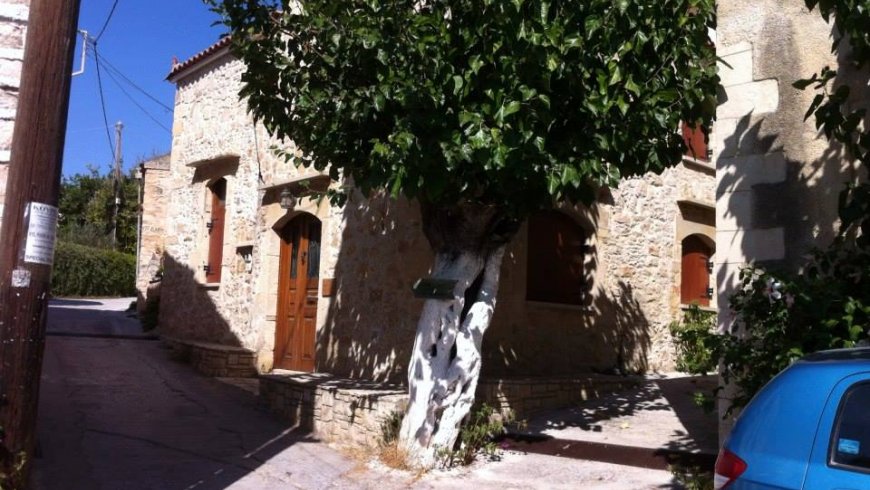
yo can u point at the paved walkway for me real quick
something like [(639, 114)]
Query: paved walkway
[(659, 414), (117, 413)]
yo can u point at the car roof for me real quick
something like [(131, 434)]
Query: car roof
[(857, 356)]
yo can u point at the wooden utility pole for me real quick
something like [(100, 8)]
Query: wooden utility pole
[(29, 226), (117, 184)]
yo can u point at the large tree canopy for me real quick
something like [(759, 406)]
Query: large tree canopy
[(484, 111), (516, 104)]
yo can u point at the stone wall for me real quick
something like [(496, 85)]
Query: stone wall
[(214, 359), (522, 397), (373, 250), (336, 410), (13, 30), (634, 269), (355, 413), (154, 176)]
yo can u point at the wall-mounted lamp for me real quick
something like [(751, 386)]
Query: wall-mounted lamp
[(710, 266), (710, 293), (287, 200), (209, 224), (207, 269)]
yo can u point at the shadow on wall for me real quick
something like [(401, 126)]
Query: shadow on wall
[(371, 322), (370, 325), (607, 331), (609, 336), (780, 181), (187, 307)]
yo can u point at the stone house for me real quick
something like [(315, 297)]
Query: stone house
[(153, 189), (13, 28), (251, 286)]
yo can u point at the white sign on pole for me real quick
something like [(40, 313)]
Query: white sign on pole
[(41, 234)]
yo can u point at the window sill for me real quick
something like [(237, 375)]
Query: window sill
[(558, 306), (708, 309), (702, 165), (209, 285)]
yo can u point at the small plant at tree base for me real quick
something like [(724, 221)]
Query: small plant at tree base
[(692, 478), (390, 452), (476, 437)]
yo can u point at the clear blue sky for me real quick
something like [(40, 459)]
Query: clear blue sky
[(140, 41)]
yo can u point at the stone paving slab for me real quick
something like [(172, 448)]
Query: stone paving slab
[(658, 414)]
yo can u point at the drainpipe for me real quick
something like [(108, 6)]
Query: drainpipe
[(140, 194)]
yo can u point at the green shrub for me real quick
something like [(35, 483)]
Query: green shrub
[(692, 337), (777, 318), (88, 271)]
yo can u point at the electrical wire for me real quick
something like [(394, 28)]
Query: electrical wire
[(103, 106), (137, 104), (106, 24), (110, 67)]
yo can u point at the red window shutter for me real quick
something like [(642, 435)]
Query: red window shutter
[(695, 276), (556, 251), (216, 234), (696, 147)]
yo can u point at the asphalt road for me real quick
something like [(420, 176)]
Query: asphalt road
[(117, 413)]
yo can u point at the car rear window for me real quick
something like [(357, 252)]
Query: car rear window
[(850, 446)]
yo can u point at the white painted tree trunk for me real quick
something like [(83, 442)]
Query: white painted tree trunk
[(446, 359)]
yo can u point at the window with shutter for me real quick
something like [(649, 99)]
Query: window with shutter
[(556, 256), (216, 230)]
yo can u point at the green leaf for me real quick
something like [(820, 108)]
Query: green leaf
[(545, 13), (458, 83), (511, 108)]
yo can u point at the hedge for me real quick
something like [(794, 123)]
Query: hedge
[(88, 271)]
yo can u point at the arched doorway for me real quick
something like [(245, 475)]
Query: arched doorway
[(299, 274), (695, 275)]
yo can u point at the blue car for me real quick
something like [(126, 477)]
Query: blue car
[(808, 429)]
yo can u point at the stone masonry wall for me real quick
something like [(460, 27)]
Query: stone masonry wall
[(13, 30), (155, 190), (778, 177)]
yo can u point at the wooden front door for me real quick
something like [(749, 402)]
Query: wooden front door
[(297, 294), (695, 272)]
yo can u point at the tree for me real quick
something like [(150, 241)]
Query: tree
[(86, 205), (484, 112)]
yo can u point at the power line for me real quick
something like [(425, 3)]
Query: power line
[(103, 106), (125, 92), (113, 68), (106, 24)]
